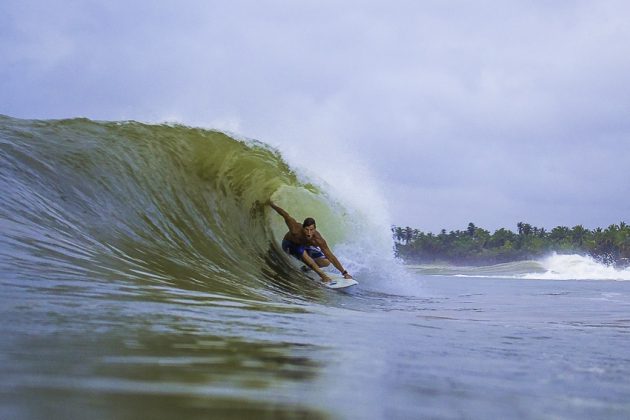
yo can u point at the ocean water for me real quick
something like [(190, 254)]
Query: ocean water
[(140, 277)]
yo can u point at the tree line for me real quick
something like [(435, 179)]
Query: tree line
[(475, 245)]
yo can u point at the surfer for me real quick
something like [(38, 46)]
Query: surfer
[(305, 243)]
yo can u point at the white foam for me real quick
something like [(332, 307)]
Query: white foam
[(366, 248), (577, 267)]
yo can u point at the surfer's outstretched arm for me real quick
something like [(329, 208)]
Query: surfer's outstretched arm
[(290, 221)]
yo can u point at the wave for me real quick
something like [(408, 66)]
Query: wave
[(577, 267), (163, 204), (553, 267)]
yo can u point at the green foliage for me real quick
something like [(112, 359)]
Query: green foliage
[(475, 245)]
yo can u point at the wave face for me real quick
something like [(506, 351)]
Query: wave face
[(157, 203), (553, 267)]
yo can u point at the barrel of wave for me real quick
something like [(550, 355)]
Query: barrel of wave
[(349, 233), (302, 202)]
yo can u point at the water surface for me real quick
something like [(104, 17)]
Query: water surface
[(140, 277)]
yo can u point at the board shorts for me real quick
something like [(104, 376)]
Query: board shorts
[(297, 250)]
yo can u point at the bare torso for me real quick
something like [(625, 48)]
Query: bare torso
[(308, 236), (296, 236)]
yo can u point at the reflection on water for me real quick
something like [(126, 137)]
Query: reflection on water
[(128, 372)]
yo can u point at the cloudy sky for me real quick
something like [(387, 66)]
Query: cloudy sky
[(453, 111)]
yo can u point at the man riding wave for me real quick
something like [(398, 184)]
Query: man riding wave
[(305, 243)]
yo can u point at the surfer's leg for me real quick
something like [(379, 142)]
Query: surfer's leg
[(318, 256), (295, 250), (311, 263), (322, 262), (306, 259)]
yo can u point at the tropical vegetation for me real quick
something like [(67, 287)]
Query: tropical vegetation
[(475, 245)]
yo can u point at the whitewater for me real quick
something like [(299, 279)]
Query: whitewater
[(552, 267), (141, 277)]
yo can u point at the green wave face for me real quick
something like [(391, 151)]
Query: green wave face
[(156, 203)]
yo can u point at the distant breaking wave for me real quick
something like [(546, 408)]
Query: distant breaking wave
[(155, 204), (553, 267), (577, 267)]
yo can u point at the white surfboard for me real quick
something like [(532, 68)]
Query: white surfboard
[(337, 281)]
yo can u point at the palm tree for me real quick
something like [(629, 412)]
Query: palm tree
[(578, 233), (399, 234), (559, 233), (408, 234), (471, 229)]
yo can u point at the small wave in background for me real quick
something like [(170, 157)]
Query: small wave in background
[(577, 267), (553, 267)]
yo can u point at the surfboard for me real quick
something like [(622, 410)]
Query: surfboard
[(337, 281)]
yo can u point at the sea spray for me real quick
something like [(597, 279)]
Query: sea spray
[(350, 198), (553, 267), (577, 267)]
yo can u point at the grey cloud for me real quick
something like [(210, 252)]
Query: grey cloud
[(486, 110)]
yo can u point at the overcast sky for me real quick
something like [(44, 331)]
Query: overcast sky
[(454, 111)]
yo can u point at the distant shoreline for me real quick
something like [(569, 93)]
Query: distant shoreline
[(477, 246)]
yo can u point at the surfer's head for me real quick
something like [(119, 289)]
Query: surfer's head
[(308, 227)]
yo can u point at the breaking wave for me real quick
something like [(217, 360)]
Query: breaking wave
[(553, 267), (159, 204)]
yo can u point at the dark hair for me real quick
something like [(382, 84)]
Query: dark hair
[(309, 221)]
